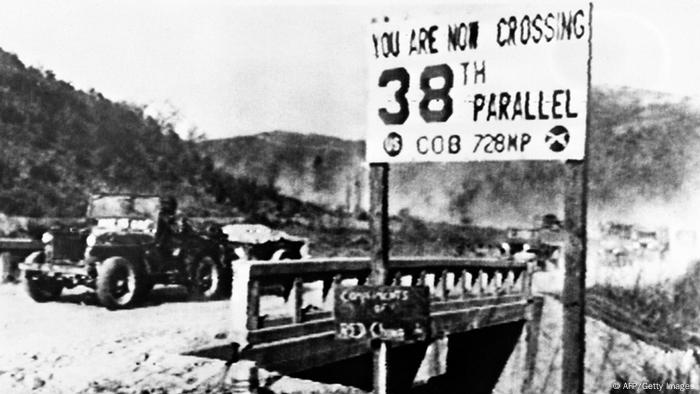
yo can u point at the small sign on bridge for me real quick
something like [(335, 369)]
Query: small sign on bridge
[(387, 313)]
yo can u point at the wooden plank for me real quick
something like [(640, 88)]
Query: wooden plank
[(474, 302), (441, 289), (19, 244), (276, 321), (302, 353), (473, 318), (403, 262), (329, 295), (462, 284), (279, 333), (297, 300), (362, 264), (253, 307), (307, 266)]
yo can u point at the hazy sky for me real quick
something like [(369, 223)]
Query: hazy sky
[(232, 67)]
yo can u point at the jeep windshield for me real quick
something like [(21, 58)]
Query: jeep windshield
[(121, 212)]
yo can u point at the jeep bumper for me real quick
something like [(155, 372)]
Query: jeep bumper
[(51, 269), (35, 267)]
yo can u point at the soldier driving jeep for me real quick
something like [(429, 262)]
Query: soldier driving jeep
[(123, 256), (167, 225)]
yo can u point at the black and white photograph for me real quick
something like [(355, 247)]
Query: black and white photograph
[(338, 196)]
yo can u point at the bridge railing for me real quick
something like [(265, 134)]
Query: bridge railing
[(454, 283)]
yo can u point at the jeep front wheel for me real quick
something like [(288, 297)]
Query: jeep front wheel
[(119, 283), (43, 289), (208, 281)]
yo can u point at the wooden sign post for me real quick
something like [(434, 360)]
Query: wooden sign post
[(379, 233), (574, 291), (379, 221)]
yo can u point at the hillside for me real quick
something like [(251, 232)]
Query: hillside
[(643, 152), (60, 144), (311, 167)]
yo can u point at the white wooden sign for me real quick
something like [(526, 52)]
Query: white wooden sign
[(497, 82)]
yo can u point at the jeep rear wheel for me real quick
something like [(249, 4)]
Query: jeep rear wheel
[(119, 283), (43, 289), (207, 282)]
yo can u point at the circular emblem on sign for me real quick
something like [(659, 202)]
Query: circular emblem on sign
[(393, 144), (557, 138)]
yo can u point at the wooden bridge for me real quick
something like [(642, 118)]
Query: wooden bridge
[(298, 336)]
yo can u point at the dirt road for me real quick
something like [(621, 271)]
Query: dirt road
[(75, 345)]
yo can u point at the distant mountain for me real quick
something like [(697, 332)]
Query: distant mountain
[(644, 151), (321, 169), (331, 171)]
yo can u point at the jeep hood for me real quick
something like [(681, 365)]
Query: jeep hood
[(123, 238)]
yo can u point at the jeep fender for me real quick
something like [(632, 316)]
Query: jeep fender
[(37, 257)]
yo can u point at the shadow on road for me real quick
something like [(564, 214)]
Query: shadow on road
[(159, 295)]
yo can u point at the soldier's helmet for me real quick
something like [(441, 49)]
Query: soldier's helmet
[(168, 205)]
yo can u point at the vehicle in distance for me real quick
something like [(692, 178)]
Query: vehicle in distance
[(623, 243), (259, 242), (544, 242)]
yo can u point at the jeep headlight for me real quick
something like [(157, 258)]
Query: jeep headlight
[(91, 240), (46, 238)]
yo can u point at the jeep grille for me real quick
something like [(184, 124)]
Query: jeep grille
[(68, 247)]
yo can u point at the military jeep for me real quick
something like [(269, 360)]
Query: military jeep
[(544, 244), (622, 244), (119, 256)]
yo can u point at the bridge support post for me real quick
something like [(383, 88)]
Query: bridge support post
[(380, 370), (398, 366), (245, 303)]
